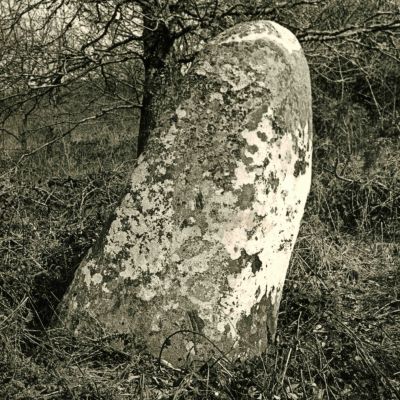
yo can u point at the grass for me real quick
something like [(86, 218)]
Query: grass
[(338, 335)]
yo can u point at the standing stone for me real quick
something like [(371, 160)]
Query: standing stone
[(201, 244)]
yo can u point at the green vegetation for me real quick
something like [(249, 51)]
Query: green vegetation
[(339, 326)]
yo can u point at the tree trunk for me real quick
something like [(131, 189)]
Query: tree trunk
[(147, 114), (157, 43), (23, 134)]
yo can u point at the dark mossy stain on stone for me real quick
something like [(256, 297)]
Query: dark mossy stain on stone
[(117, 258), (247, 161), (285, 243), (300, 166), (125, 224), (252, 328), (277, 126), (273, 181), (256, 263), (234, 144), (185, 223), (145, 278), (252, 149), (251, 233), (199, 201), (255, 117), (236, 266), (245, 196), (196, 322), (211, 129), (152, 211), (290, 212), (168, 175), (132, 283), (111, 274), (262, 136), (192, 247), (174, 118)]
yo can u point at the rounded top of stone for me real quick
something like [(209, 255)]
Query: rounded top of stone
[(260, 30)]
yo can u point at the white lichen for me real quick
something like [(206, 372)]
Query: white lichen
[(280, 35), (97, 278)]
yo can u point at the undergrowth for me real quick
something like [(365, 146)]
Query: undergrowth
[(339, 323)]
